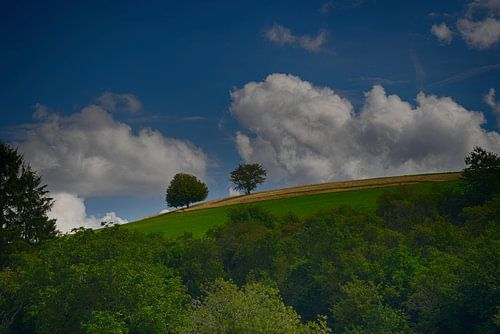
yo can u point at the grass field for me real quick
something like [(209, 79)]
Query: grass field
[(200, 221)]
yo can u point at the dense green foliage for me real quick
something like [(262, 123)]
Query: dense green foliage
[(108, 281), (24, 204), (185, 189), (255, 308), (246, 177), (420, 261)]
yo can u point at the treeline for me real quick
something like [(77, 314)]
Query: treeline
[(422, 262)]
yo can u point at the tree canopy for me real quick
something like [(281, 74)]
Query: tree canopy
[(255, 308), (246, 177), (185, 189)]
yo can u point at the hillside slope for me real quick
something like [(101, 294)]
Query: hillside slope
[(314, 189), (324, 188)]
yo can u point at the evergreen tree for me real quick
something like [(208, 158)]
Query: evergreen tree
[(482, 175), (24, 203)]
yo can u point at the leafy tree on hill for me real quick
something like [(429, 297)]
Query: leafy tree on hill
[(361, 310), (255, 308), (23, 203), (246, 177), (185, 189)]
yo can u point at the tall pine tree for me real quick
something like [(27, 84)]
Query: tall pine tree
[(24, 204)]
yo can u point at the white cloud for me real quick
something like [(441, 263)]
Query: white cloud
[(119, 102), (91, 154), (480, 34), (283, 36), (302, 133), (234, 192), (69, 211), (491, 101), (442, 32), (480, 27)]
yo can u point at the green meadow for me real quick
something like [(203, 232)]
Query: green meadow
[(198, 222)]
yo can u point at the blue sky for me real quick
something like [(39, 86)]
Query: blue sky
[(180, 61)]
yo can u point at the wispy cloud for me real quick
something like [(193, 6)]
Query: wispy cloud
[(471, 72), (194, 118), (419, 69), (282, 36), (379, 81), (327, 7)]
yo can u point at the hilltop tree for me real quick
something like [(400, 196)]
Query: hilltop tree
[(246, 177), (185, 189), (24, 203)]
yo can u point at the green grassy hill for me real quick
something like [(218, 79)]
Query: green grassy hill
[(201, 220)]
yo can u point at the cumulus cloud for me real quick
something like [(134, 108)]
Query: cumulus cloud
[(119, 102), (480, 34), (69, 211), (283, 36), (490, 100), (302, 133), (442, 32), (480, 28), (91, 154)]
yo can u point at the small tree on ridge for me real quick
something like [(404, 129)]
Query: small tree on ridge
[(185, 189), (246, 177)]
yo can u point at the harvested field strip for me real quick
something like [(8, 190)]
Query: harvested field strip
[(323, 188)]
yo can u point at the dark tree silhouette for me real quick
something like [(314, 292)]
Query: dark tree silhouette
[(24, 203), (482, 175), (246, 177), (185, 189)]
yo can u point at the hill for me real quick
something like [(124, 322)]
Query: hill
[(301, 200)]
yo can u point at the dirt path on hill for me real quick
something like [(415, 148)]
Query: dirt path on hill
[(323, 188)]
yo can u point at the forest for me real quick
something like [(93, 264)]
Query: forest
[(421, 262)]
